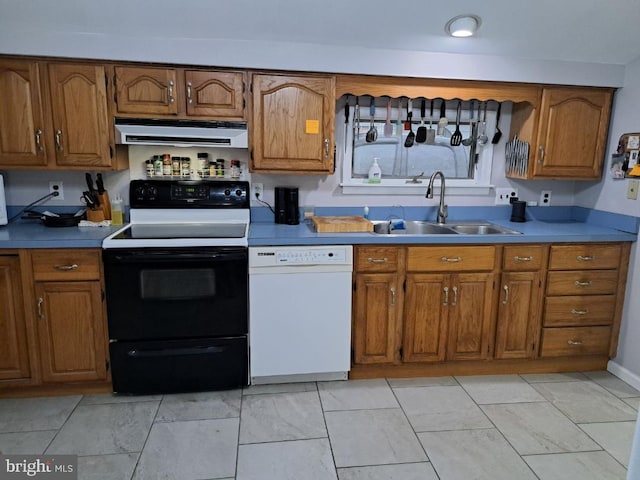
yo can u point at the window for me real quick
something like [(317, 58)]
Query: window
[(467, 166)]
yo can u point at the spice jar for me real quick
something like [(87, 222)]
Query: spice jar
[(166, 164), (185, 166), (235, 168), (149, 167), (157, 165), (220, 167), (175, 166), (202, 165)]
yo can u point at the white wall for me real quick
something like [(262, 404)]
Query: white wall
[(610, 195)]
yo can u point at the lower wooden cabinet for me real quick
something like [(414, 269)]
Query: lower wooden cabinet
[(377, 301), (52, 320), (461, 309), (14, 354), (70, 330)]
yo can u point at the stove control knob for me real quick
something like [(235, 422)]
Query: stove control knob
[(239, 193), (140, 191), (152, 191), (227, 192)]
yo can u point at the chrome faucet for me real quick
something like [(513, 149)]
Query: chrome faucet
[(442, 208)]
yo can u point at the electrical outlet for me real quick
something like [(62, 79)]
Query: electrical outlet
[(257, 191), (504, 195), (545, 198), (56, 187), (632, 190)]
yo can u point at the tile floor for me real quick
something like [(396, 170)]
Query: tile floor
[(511, 427)]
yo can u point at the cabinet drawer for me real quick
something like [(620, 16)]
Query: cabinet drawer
[(454, 258), (583, 257), (66, 264), (563, 342), (579, 310), (592, 282), (376, 259), (523, 257)]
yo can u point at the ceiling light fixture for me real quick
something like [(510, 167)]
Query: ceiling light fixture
[(463, 25)]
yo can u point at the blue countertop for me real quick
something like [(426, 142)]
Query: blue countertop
[(555, 224)]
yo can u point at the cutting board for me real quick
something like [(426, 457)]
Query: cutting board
[(342, 224)]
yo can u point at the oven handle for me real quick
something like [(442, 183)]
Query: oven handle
[(148, 257), (175, 352)]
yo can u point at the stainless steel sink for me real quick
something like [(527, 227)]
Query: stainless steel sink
[(411, 228), (482, 229), (430, 228)]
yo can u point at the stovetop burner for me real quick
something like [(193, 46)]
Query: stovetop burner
[(142, 231), (176, 213)]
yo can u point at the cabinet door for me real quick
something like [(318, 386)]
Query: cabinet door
[(214, 94), (80, 115), (573, 131), (14, 355), (375, 337), (293, 122), (425, 318), (22, 126), (71, 331), (146, 90), (470, 307), (519, 319)]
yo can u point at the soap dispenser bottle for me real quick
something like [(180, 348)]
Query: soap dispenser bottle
[(375, 173)]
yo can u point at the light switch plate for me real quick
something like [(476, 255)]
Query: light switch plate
[(632, 190)]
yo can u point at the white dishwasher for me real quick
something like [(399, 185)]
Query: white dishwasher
[(300, 313)]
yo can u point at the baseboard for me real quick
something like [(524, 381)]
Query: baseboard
[(624, 374)]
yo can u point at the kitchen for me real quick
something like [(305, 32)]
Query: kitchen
[(321, 191)]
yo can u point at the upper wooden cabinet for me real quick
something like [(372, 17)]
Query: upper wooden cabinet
[(573, 131), (292, 124), (179, 93), (80, 115), (56, 115), (567, 132), (22, 125)]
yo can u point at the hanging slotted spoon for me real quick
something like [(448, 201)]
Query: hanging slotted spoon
[(483, 138), (456, 138), (421, 132)]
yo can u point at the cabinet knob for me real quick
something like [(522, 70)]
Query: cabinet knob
[(40, 302), (579, 312), (455, 296), (170, 91), (393, 296), (326, 148), (583, 284), (588, 258), (506, 294), (446, 296), (541, 150), (522, 259), (451, 260), (59, 140), (189, 93), (575, 342), (38, 135), (66, 268), (377, 260)]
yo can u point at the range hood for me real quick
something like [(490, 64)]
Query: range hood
[(181, 133)]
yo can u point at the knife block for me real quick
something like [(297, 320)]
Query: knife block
[(105, 205), (95, 215)]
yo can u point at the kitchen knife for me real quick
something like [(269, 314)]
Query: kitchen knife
[(99, 184)]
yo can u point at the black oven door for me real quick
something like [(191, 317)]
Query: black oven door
[(155, 293)]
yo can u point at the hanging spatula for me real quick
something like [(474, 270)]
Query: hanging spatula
[(421, 132), (443, 122), (388, 128), (498, 134), (431, 133), (408, 142)]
